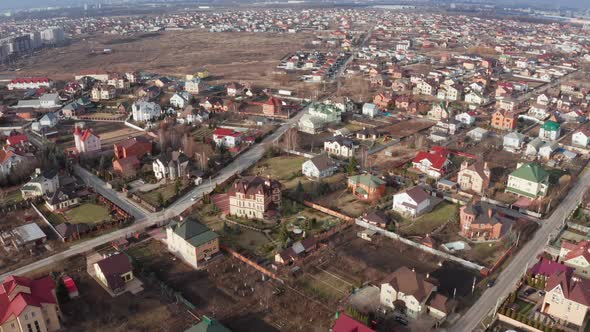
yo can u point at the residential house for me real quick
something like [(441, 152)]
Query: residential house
[(439, 111), (513, 141), (376, 218), (195, 86), (581, 137), (29, 305), (507, 104), (171, 165), (577, 256), (412, 202), (86, 141), (49, 100), (383, 100), (550, 130), (254, 197), (297, 251), (433, 163), (480, 221), (427, 88), (192, 115), (318, 116), (407, 291), (478, 134), (23, 237), (318, 167), (528, 180), (144, 111), (133, 147), (181, 99), (448, 93), (546, 267), (103, 92), (192, 241), (29, 83), (474, 177), (368, 134), (9, 159), (49, 120), (126, 166), (370, 110), (340, 146), (42, 183), (504, 120), (534, 147), (114, 272), (345, 323), (367, 186), (226, 137), (548, 149), (466, 118), (62, 199), (273, 106), (208, 325), (567, 298), (19, 140)]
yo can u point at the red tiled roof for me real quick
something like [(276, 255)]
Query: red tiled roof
[(31, 80), (573, 288), (41, 291), (345, 323), (437, 160), (17, 139), (226, 132), (87, 133), (580, 249), (5, 155), (546, 267)]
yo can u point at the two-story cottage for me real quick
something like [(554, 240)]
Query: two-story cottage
[(9, 159), (114, 272), (567, 298), (86, 141), (366, 186), (528, 180), (318, 167), (144, 111), (504, 120), (412, 202), (42, 183), (432, 163), (581, 138), (474, 177), (171, 165), (577, 256), (192, 241), (181, 99), (550, 130), (254, 197), (513, 142), (226, 137), (439, 111)]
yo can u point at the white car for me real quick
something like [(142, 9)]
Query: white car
[(194, 198)]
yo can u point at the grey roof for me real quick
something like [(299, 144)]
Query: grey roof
[(322, 162)]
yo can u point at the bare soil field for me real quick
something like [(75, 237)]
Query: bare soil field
[(228, 56), (109, 132)]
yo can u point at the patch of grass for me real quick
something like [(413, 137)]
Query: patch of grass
[(87, 213), (168, 192), (430, 221), (13, 197), (280, 168)]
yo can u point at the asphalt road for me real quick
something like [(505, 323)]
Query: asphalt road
[(525, 257), (144, 218)]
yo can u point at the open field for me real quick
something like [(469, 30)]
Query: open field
[(282, 168), (228, 56), (87, 213), (109, 132), (430, 221)]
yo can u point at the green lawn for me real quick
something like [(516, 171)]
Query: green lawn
[(13, 197), (87, 213), (524, 307), (168, 191), (279, 168), (430, 221)]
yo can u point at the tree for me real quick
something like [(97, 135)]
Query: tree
[(291, 139), (62, 293), (351, 167), (283, 234), (177, 186), (299, 191), (160, 199)]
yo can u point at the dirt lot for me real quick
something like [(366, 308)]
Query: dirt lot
[(236, 294), (109, 132), (228, 56)]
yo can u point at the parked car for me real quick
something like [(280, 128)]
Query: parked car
[(529, 292), (401, 320)]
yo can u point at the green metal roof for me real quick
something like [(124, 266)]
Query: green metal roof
[(551, 126), (367, 180), (194, 232), (531, 172), (208, 325)]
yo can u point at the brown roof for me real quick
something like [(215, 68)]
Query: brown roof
[(440, 302), (409, 282), (322, 162), (113, 267), (417, 194), (252, 185)]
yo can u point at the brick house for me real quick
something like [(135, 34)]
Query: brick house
[(192, 241), (480, 221), (136, 146), (504, 120), (366, 186), (254, 197)]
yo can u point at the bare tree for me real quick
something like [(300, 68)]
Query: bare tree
[(291, 139)]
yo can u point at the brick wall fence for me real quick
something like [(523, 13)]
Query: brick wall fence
[(250, 262)]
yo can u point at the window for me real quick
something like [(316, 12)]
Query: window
[(29, 328), (37, 327)]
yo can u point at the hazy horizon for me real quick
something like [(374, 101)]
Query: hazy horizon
[(23, 4)]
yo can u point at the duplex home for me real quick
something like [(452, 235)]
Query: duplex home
[(86, 141), (114, 272), (504, 120), (481, 221), (367, 186), (171, 165), (412, 202), (567, 298), (192, 241), (318, 167), (340, 146), (577, 256), (103, 92), (528, 180), (254, 197), (29, 83), (227, 137), (432, 163), (474, 177), (550, 130), (29, 305)]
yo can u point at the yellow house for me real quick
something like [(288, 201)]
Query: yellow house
[(28, 305), (114, 272), (201, 73)]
